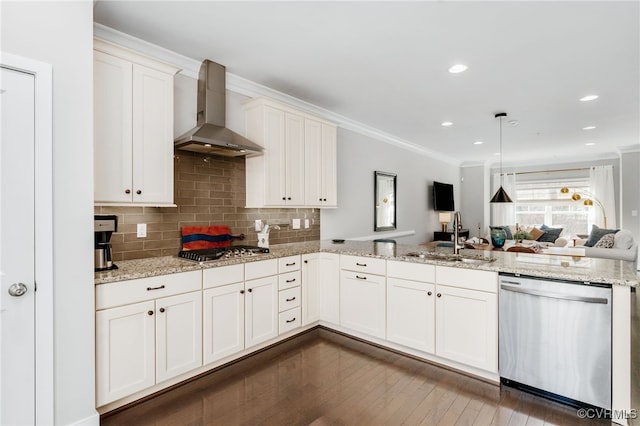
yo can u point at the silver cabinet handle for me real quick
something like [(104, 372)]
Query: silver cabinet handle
[(17, 289), (556, 295)]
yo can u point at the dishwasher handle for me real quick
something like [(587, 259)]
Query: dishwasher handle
[(550, 295)]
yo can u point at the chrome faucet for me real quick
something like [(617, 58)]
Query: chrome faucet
[(456, 233)]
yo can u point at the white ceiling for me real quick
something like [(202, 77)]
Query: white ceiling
[(384, 64)]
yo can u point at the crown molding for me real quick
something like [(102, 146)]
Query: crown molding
[(629, 148), (191, 67)]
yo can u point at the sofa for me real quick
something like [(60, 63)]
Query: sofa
[(620, 245)]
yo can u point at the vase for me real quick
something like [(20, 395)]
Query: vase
[(498, 237)]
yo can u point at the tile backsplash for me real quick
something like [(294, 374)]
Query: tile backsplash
[(209, 190)]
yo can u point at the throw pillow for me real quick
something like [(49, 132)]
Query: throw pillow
[(606, 241), (507, 230), (536, 233), (623, 239), (597, 233), (550, 234)]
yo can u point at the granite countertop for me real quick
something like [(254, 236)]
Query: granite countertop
[(604, 271)]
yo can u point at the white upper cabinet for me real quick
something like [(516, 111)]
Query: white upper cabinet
[(133, 128), (298, 167), (320, 162)]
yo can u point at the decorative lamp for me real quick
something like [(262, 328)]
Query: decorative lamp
[(501, 195), (445, 218), (577, 196)]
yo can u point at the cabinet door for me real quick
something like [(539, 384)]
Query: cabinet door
[(362, 302), (320, 164), (178, 334), (261, 310), (275, 160), (310, 288), (223, 321), (329, 176), (125, 351), (329, 280), (112, 128), (467, 327), (294, 136), (152, 136), (411, 313)]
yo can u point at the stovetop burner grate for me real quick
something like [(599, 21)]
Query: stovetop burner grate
[(205, 255)]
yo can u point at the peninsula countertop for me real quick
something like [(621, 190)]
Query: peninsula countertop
[(572, 268)]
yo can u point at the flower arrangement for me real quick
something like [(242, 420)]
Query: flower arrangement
[(521, 234)]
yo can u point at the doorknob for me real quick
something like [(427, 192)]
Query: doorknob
[(17, 289)]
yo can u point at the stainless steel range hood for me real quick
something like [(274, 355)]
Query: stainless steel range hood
[(210, 136)]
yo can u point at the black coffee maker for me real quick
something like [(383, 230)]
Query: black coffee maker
[(104, 226)]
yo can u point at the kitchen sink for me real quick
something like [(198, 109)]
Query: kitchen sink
[(450, 257)]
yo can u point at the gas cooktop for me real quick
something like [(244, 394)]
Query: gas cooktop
[(220, 253)]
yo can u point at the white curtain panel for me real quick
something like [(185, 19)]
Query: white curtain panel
[(504, 213), (601, 183)]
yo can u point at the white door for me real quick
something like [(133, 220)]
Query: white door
[(17, 260), (261, 310), (178, 334), (223, 315)]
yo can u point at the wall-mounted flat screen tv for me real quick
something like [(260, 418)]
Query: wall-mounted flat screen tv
[(443, 197)]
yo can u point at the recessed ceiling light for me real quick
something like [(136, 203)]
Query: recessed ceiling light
[(446, 123), (590, 143), (458, 68), (589, 128), (589, 98), (478, 143)]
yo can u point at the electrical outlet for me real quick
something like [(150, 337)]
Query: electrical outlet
[(295, 223), (306, 223), (142, 230), (258, 225)]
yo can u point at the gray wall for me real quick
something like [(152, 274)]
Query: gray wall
[(61, 34), (474, 199), (630, 192), (358, 157)]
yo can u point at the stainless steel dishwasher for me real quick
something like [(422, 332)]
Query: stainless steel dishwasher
[(555, 339)]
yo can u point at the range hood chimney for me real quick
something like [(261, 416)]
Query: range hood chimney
[(210, 136)]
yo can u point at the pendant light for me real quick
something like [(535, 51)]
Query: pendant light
[(501, 195)]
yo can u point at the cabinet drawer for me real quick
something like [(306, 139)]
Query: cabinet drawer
[(288, 299), (467, 278), (262, 268), (363, 264), (222, 275), (289, 320), (411, 271), (289, 263), (289, 280), (132, 291)]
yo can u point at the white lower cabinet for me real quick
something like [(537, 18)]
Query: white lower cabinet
[(261, 310), (362, 302), (467, 317), (223, 318), (467, 327), (320, 288), (125, 352), (411, 314), (144, 343)]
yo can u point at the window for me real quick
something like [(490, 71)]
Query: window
[(540, 202)]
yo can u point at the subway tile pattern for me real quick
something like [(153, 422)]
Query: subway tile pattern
[(209, 190)]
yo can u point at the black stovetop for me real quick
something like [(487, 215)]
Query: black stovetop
[(205, 255)]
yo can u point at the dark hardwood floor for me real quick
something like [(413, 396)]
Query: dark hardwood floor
[(323, 378)]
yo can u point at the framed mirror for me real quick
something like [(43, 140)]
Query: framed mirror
[(384, 201)]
